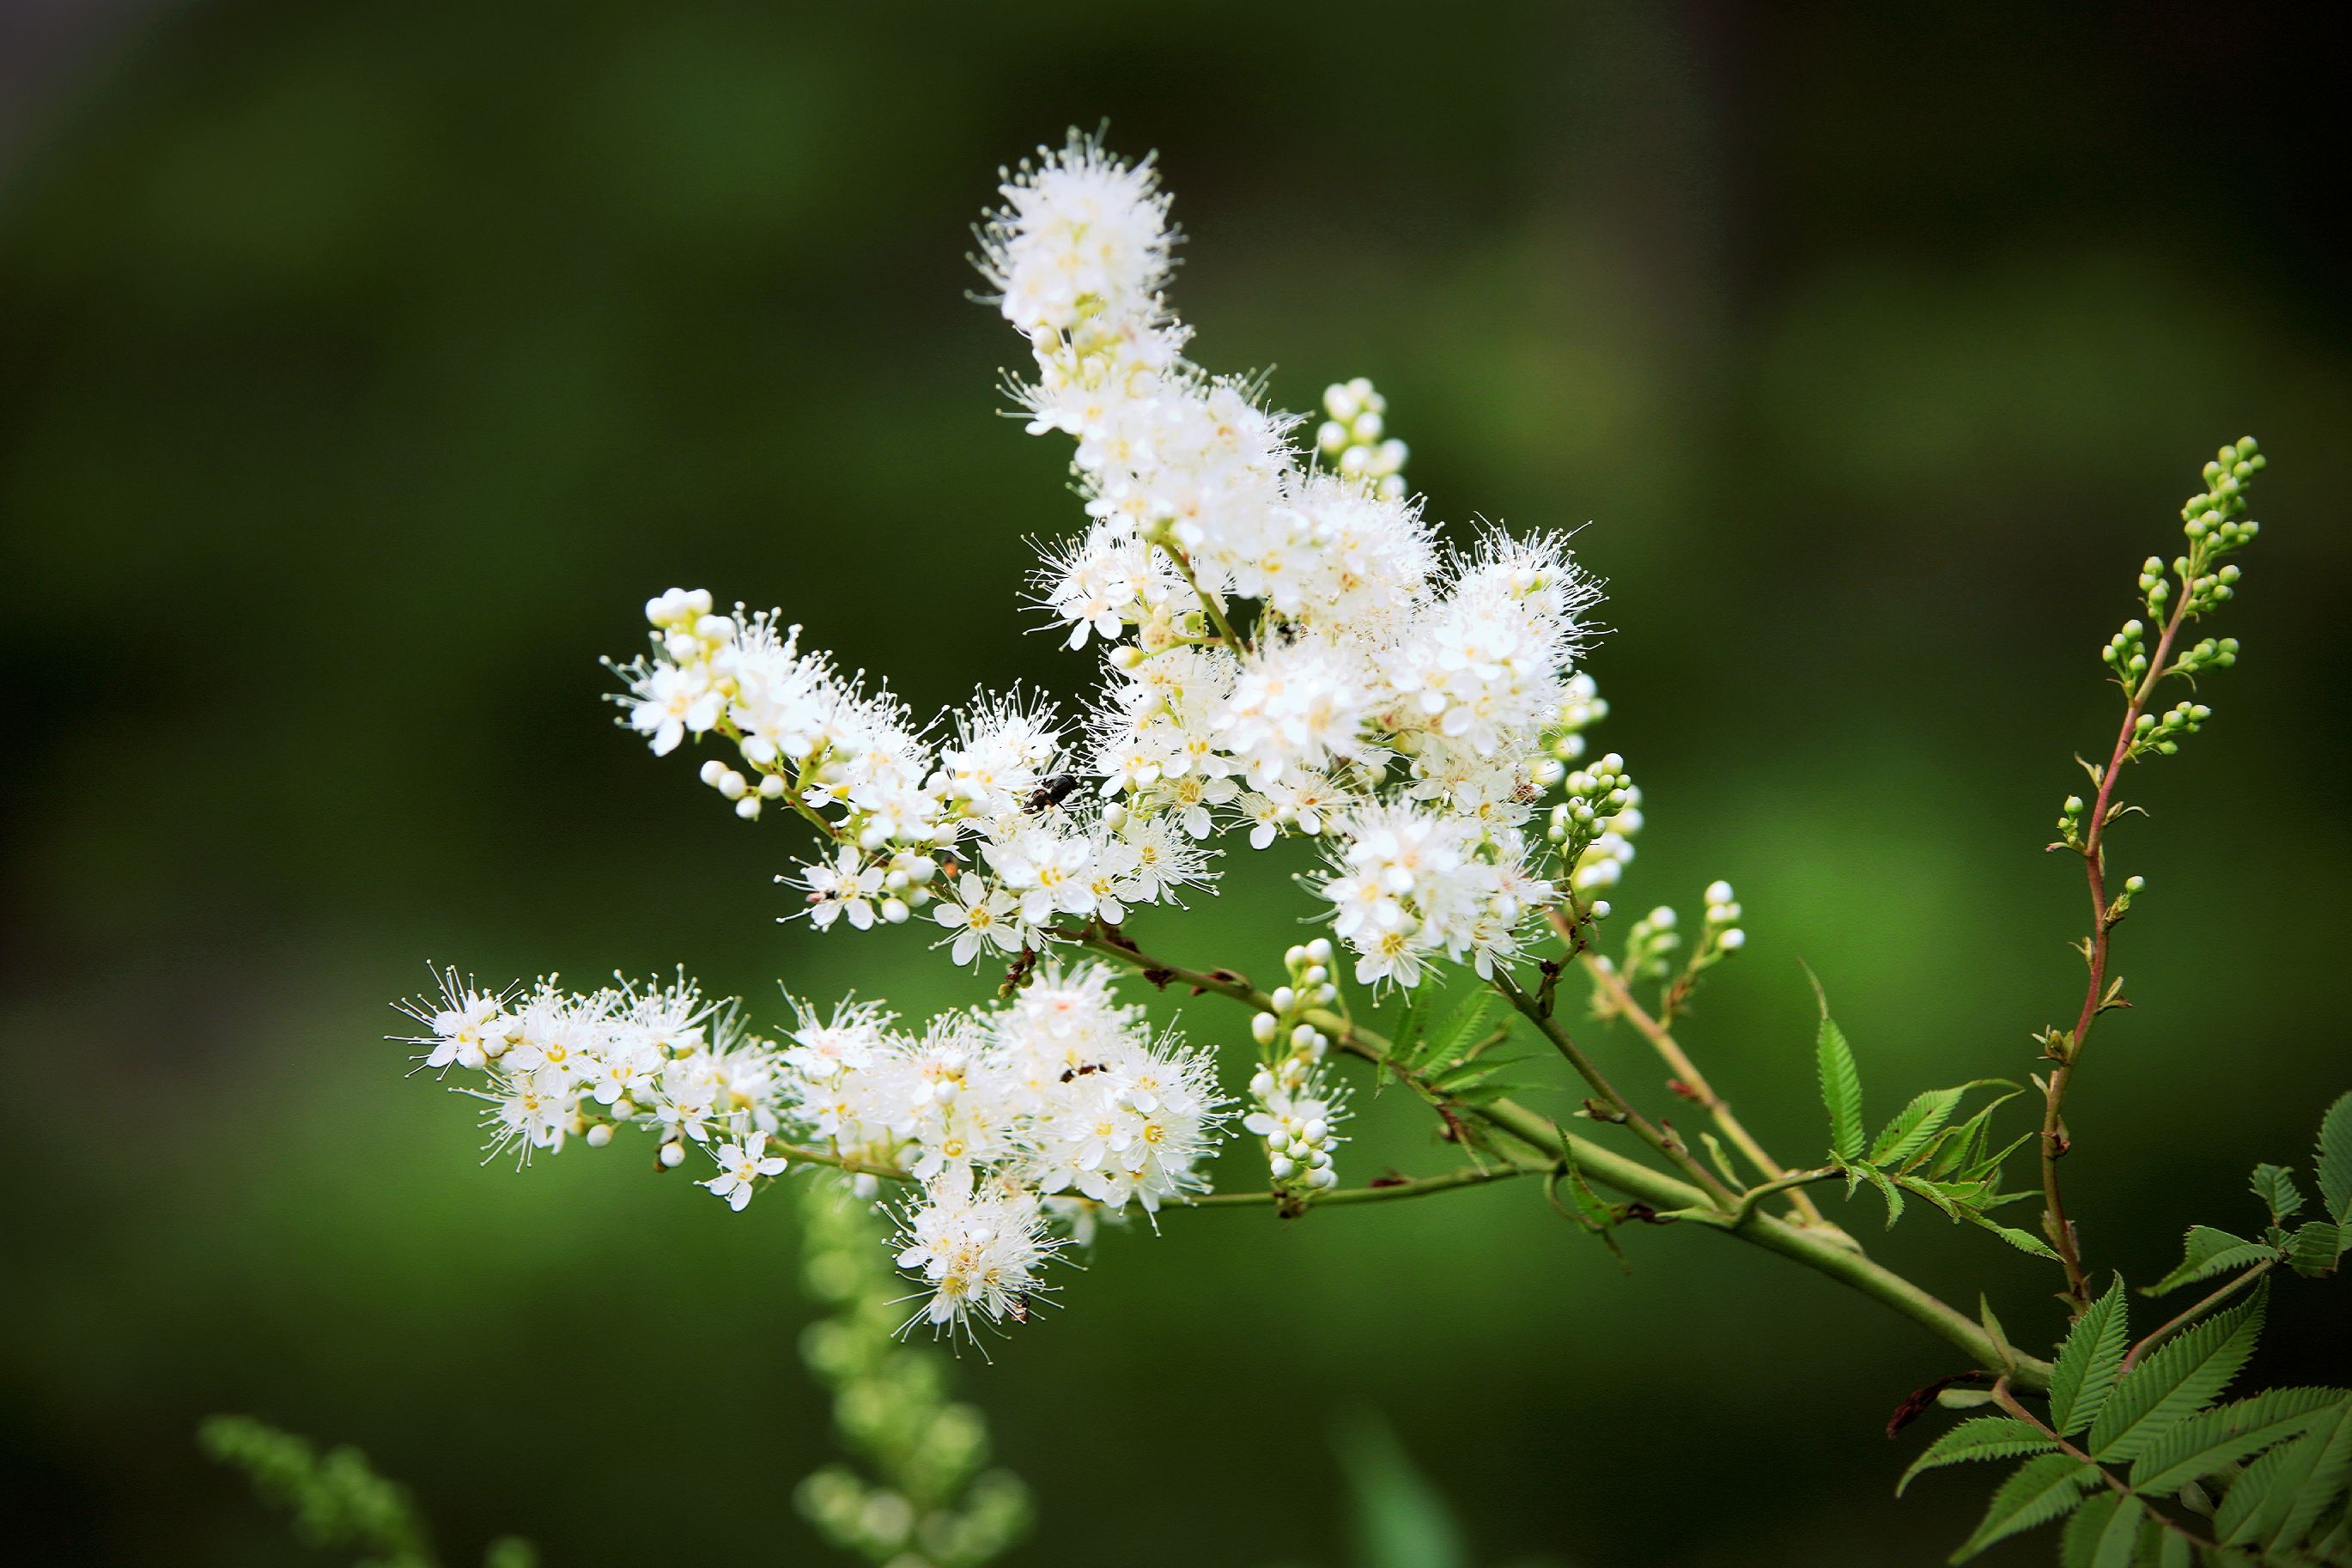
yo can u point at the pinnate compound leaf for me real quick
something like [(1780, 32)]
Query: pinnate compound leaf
[(2084, 1372), (2274, 1185), (2279, 1497), (1985, 1437), (2335, 1161), (2204, 1444), (2041, 1490), (1914, 1125), (1840, 1089), (2176, 1381), (2206, 1252), (2104, 1532)]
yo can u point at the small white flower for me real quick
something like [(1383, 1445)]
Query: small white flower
[(740, 1168)]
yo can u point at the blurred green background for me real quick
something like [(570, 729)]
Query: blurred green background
[(364, 366)]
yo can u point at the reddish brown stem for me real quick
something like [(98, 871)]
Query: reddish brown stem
[(2053, 1127)]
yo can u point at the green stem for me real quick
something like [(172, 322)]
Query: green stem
[(1467, 1176), (1838, 1260), (1661, 1139)]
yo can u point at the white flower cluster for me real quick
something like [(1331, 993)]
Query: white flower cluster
[(1414, 702), (897, 805), (1022, 1123), (557, 1064)]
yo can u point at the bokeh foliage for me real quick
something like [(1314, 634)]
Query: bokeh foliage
[(363, 367)]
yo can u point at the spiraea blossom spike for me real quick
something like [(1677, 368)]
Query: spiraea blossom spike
[(1283, 650)]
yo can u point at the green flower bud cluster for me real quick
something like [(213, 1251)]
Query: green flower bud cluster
[(933, 1508), (1650, 946), (1594, 798), (1354, 436), (2213, 653), (2126, 653), (2162, 735), (2215, 523), (2070, 821)]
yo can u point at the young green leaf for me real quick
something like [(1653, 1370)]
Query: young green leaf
[(2176, 1381), (1450, 1041), (2084, 1372), (2041, 1490), (2314, 1247), (2335, 1161), (2274, 1185), (2205, 1444), (1985, 1437), (2025, 1241), (1886, 1190), (1840, 1089), (2282, 1495), (1914, 1125), (2206, 1252)]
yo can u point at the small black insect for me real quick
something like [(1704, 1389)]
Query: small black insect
[(1052, 793), (1081, 1070)]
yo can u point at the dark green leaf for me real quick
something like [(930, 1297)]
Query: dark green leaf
[(2314, 1246), (2204, 1444), (1840, 1089), (2103, 1533), (2206, 1252), (2176, 1381), (2282, 1495), (1914, 1125), (2334, 1162), (2274, 1185), (2079, 1547), (2084, 1372), (1985, 1437), (2172, 1550), (2041, 1490)]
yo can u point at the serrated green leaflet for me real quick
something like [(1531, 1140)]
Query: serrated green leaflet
[(2274, 1185), (1915, 1123), (2314, 1246), (2104, 1532), (1887, 1190), (2335, 1161), (2084, 1372), (2025, 1241), (2205, 1444), (2176, 1382), (2206, 1252), (2041, 1490), (1840, 1089), (1985, 1437), (2282, 1495)]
